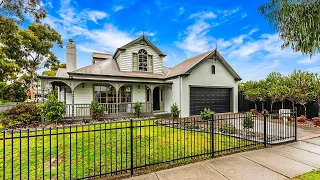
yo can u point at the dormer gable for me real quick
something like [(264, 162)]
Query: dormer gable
[(140, 55)]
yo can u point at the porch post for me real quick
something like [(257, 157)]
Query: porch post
[(72, 104), (42, 96), (151, 98), (117, 102)]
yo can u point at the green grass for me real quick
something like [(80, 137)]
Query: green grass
[(309, 176), (4, 102), (152, 144)]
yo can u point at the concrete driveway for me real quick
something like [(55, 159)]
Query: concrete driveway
[(278, 162)]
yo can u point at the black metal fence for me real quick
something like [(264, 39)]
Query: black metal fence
[(122, 148), (245, 105)]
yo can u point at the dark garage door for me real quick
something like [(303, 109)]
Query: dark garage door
[(217, 99)]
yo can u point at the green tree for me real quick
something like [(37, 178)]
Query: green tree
[(13, 12), (296, 21), (251, 91), (37, 42), (302, 87), (9, 49), (19, 10), (53, 70), (276, 88), (262, 88)]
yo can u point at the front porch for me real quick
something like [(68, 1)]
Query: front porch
[(117, 98)]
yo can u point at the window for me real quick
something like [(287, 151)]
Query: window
[(150, 63), (100, 94), (213, 69), (143, 60), (125, 94), (107, 94)]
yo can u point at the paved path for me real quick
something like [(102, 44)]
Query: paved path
[(278, 162)]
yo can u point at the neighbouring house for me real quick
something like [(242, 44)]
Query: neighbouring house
[(135, 72)]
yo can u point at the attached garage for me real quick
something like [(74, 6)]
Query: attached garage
[(217, 99)]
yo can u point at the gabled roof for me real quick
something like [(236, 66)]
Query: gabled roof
[(123, 48), (185, 66)]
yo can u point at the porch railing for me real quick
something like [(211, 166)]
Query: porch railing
[(112, 109)]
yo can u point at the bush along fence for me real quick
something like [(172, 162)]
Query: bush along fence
[(246, 105), (126, 147)]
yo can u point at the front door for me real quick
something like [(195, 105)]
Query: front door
[(156, 99)]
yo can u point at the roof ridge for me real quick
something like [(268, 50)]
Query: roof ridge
[(208, 52)]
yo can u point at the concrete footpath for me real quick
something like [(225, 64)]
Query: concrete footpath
[(279, 162)]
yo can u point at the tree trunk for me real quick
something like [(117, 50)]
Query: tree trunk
[(271, 106), (305, 110), (262, 103), (292, 105), (282, 104), (255, 106)]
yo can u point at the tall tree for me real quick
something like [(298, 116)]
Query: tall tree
[(37, 42), (297, 22), (12, 14), (9, 49)]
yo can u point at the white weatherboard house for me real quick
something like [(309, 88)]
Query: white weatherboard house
[(135, 72)]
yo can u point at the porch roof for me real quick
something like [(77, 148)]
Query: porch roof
[(121, 80)]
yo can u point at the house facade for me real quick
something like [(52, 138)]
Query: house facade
[(135, 72)]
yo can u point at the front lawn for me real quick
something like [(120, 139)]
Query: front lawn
[(309, 176), (104, 148)]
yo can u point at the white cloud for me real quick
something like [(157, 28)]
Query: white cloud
[(95, 15), (146, 33), (73, 24), (308, 60), (243, 15), (315, 69), (245, 27), (181, 11), (118, 8), (203, 15)]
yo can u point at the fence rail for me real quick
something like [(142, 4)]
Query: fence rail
[(108, 149), (83, 110)]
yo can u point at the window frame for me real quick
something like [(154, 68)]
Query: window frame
[(142, 59)]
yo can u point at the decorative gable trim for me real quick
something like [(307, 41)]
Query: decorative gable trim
[(138, 41)]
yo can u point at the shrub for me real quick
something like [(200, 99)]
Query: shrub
[(206, 114), (53, 109), (175, 112), (21, 115), (302, 119), (248, 120), (316, 121), (137, 109), (96, 110), (254, 111), (230, 129)]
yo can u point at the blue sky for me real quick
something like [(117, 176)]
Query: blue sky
[(181, 29)]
